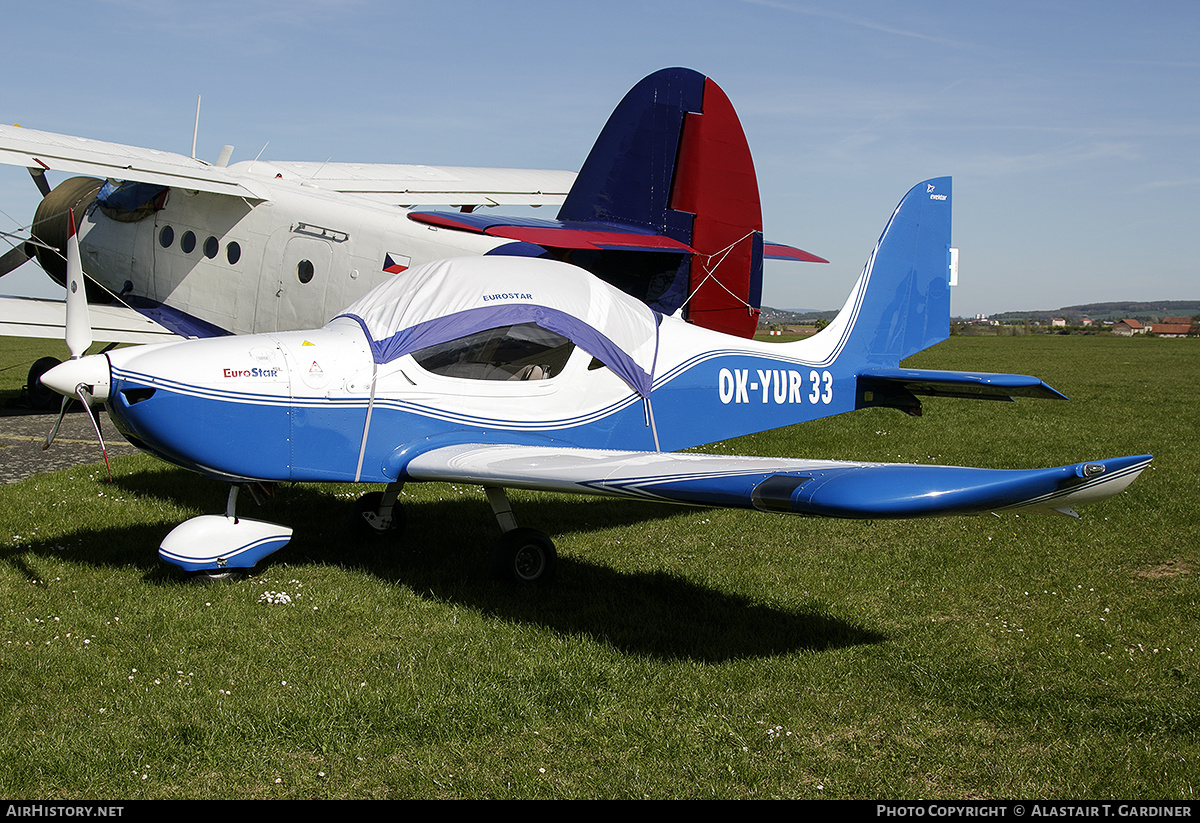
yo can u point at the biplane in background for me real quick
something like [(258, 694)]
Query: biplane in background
[(665, 207)]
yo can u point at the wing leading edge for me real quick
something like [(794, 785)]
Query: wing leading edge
[(385, 182), (79, 155), (818, 488)]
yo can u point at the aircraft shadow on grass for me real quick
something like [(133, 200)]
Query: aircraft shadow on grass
[(659, 614)]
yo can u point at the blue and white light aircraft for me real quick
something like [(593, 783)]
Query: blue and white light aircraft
[(534, 374)]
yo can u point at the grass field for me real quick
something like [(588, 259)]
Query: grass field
[(683, 653)]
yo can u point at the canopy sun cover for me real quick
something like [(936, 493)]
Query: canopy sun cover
[(448, 299)]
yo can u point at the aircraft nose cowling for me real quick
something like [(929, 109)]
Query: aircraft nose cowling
[(91, 371), (219, 406)]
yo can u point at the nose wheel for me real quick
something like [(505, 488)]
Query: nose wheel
[(378, 514)]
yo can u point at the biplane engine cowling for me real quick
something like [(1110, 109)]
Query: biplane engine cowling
[(51, 223)]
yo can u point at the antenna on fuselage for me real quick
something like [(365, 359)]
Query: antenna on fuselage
[(196, 127)]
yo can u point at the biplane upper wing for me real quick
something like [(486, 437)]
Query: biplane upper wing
[(46, 151), (391, 183), (407, 185)]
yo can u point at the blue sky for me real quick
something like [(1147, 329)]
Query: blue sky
[(1071, 128)]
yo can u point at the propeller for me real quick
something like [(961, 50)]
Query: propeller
[(14, 257), (21, 253), (85, 377)]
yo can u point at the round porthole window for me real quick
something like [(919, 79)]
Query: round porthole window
[(188, 242), (233, 253), (304, 271), (166, 236), (211, 247)]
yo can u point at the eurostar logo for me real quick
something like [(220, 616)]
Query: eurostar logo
[(255, 372)]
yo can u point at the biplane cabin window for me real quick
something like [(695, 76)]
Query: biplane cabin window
[(524, 351)]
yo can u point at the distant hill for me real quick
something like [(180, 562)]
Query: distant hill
[(1146, 311), (787, 317)]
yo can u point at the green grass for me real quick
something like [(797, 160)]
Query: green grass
[(682, 653)]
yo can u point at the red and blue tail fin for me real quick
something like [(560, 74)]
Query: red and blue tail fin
[(665, 207), (673, 159)]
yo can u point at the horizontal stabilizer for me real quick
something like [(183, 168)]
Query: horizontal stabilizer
[(967, 385), (554, 233), (779, 251), (561, 234), (819, 488)]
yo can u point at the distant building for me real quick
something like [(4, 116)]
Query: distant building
[(1086, 321), (1128, 328), (1171, 329), (1058, 321)]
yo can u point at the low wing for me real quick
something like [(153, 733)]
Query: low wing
[(29, 317), (819, 488), (390, 183)]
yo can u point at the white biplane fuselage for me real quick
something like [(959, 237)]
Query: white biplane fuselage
[(289, 262), (665, 207)]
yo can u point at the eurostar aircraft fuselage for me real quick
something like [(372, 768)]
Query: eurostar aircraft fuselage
[(535, 374)]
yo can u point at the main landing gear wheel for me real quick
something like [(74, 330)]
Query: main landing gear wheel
[(524, 556), (40, 397), (368, 522)]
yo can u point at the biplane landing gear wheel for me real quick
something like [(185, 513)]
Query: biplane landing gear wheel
[(524, 556), (369, 519), (40, 397)]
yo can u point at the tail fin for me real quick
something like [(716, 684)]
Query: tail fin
[(901, 303), (673, 159), (665, 208)]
